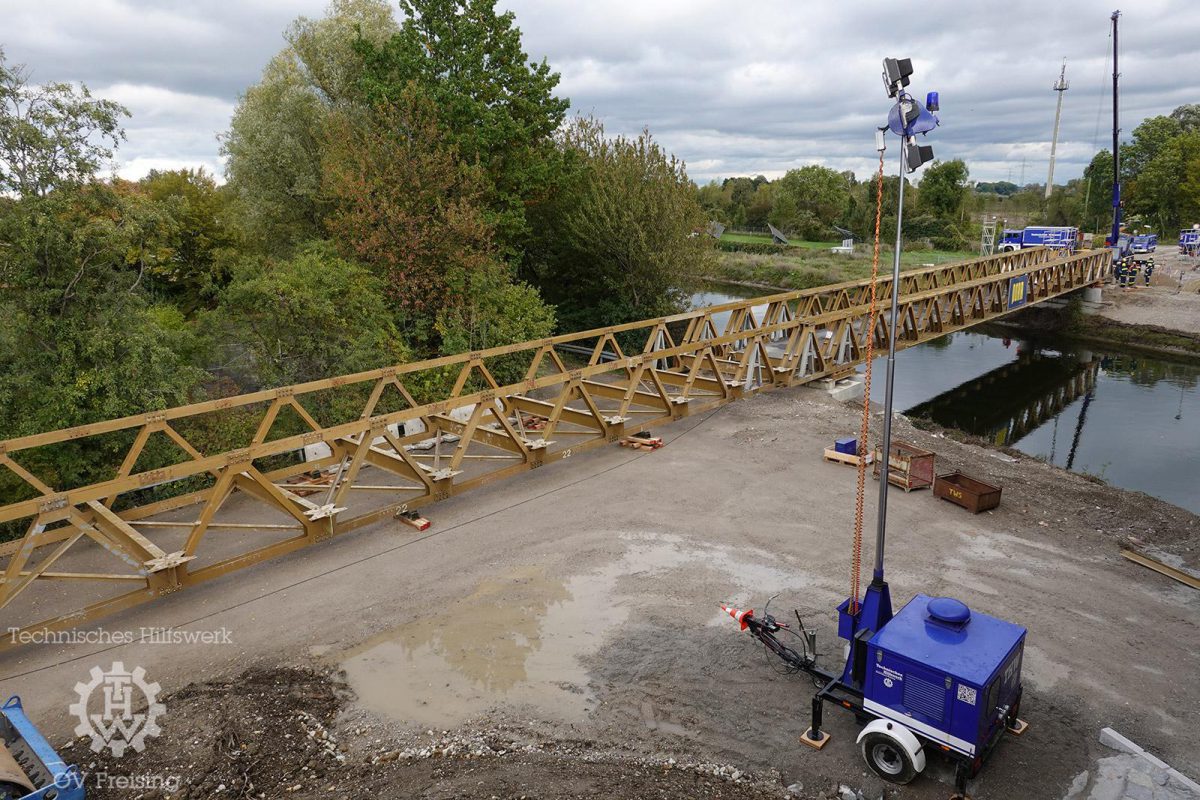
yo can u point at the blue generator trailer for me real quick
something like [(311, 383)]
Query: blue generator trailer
[(936, 677), (950, 676)]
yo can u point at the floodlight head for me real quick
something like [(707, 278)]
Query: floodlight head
[(895, 74), (916, 155)]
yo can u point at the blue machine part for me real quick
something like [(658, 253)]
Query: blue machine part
[(50, 775), (948, 674), (908, 117), (858, 621)]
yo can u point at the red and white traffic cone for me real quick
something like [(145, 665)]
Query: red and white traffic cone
[(740, 616)]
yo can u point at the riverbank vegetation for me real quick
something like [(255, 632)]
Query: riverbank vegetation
[(948, 209), (818, 205), (398, 187), (806, 268)]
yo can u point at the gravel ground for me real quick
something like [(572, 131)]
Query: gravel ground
[(569, 619), (1171, 302)]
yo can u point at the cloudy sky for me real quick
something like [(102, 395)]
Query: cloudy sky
[(732, 88)]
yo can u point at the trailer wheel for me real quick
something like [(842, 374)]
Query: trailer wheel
[(887, 758)]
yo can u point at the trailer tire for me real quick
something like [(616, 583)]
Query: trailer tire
[(887, 758)]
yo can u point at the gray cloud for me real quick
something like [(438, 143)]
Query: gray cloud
[(733, 89)]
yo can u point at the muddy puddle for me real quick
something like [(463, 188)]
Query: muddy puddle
[(520, 639)]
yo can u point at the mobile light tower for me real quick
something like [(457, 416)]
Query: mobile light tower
[(935, 676), (1060, 87)]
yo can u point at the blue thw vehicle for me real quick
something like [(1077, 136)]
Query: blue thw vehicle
[(1145, 243), (1054, 237), (1189, 241)]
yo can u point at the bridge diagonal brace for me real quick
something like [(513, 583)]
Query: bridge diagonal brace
[(16, 582)]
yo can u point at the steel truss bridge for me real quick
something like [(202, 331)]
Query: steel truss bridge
[(175, 510)]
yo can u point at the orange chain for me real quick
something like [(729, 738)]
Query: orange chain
[(872, 317)]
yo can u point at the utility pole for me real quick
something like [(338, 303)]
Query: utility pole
[(1059, 87), (1116, 201)]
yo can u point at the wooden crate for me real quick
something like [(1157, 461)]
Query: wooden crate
[(909, 467), (971, 493)]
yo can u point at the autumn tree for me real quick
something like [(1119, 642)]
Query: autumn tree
[(407, 205), (203, 238)]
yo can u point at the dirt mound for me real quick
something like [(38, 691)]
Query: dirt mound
[(258, 735), (275, 733)]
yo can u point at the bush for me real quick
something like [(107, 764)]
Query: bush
[(758, 248)]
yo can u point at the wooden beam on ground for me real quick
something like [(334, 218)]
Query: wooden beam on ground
[(1162, 569)]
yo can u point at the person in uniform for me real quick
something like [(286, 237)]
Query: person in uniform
[(1149, 270)]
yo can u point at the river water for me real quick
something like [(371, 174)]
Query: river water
[(1130, 419)]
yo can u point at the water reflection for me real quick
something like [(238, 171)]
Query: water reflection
[(1049, 383), (1128, 418)]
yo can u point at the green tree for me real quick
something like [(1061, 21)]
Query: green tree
[(759, 205), (274, 146), (617, 244), (308, 317), (202, 242), (54, 135), (822, 192), (1162, 188), (80, 340), (1188, 117), (496, 106), (1149, 139), (715, 201), (1098, 186), (944, 189)]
